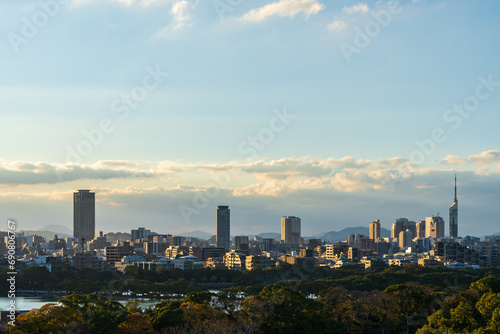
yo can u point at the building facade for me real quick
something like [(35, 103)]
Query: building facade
[(223, 225), (397, 227), (241, 242), (140, 234), (375, 230), (420, 227), (84, 215), (434, 227), (290, 230)]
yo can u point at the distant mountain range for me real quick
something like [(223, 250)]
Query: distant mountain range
[(49, 231), (113, 237), (335, 236), (197, 234), (269, 235), (49, 235), (57, 229)]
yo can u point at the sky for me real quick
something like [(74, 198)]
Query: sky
[(339, 112)]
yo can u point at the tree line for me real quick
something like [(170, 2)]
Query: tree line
[(282, 308)]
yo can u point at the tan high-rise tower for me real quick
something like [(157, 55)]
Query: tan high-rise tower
[(290, 230), (375, 230), (434, 227), (84, 215)]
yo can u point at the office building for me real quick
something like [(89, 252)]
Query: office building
[(434, 227), (140, 234), (84, 215), (420, 227), (223, 224), (405, 239), (454, 214), (375, 230), (177, 240), (412, 227), (397, 227), (290, 230), (241, 242)]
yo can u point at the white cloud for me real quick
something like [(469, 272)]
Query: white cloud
[(181, 18), (21, 172), (336, 25), (283, 8), (485, 158), (358, 8), (244, 178), (180, 12), (453, 160)]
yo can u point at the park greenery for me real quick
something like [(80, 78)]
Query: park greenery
[(285, 299)]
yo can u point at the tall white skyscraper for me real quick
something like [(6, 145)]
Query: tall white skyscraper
[(454, 214), (290, 230), (84, 215), (223, 224)]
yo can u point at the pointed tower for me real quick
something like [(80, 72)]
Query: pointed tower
[(454, 214)]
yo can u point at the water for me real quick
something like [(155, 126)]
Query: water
[(29, 303), (26, 303)]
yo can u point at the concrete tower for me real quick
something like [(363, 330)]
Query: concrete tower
[(84, 215), (454, 214), (290, 230)]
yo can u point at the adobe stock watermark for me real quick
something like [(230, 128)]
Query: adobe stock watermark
[(454, 118), (224, 6), (31, 27), (11, 280), (363, 37), (247, 148), (121, 108)]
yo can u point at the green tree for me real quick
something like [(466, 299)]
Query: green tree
[(50, 318), (281, 310), (487, 284), (166, 314), (93, 313)]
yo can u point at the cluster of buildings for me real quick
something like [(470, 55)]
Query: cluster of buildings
[(421, 242)]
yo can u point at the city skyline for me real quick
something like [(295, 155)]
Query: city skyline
[(336, 112)]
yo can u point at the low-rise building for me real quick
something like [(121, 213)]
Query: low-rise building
[(264, 262)]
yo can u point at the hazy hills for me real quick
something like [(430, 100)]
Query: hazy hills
[(332, 236)]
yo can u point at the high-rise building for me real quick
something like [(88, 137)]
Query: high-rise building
[(290, 230), (412, 227), (223, 223), (405, 239), (84, 215), (241, 242), (434, 227), (454, 214), (420, 227), (140, 233), (375, 230), (397, 227)]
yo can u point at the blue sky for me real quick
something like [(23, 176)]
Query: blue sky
[(347, 153)]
